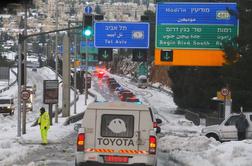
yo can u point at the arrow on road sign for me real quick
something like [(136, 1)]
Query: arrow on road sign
[(88, 9), (105, 55)]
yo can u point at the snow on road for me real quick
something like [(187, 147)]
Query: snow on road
[(180, 145), (14, 150), (182, 142)]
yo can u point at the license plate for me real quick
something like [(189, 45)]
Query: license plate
[(116, 159)]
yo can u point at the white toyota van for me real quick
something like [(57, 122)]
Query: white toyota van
[(117, 133)]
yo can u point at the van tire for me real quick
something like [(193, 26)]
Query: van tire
[(215, 136)]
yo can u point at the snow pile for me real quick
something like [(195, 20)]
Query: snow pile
[(13, 149), (198, 151), (181, 141)]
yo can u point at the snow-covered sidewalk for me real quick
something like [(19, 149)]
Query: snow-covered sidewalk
[(182, 141)]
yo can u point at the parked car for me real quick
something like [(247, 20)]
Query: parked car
[(117, 133), (7, 105), (226, 131)]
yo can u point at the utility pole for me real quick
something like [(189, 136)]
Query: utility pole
[(25, 72), (86, 71), (19, 85), (75, 58), (66, 78), (56, 57)]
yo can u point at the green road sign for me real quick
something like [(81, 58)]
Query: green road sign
[(91, 58), (142, 69), (194, 36), (90, 49)]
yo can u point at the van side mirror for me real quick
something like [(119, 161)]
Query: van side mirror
[(159, 121), (77, 126), (158, 130)]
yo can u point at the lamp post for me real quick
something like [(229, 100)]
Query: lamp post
[(87, 33)]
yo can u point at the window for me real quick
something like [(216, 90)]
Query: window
[(6, 101), (250, 117), (117, 126), (232, 120)]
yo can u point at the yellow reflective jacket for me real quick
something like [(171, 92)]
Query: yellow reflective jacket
[(44, 120)]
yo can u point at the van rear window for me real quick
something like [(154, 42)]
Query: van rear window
[(117, 126)]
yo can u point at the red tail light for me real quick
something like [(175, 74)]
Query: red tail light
[(80, 142), (152, 145)]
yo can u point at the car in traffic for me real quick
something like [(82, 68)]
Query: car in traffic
[(118, 89), (114, 85), (34, 69), (105, 77), (133, 99), (226, 131), (100, 74), (142, 81), (110, 79), (117, 133), (7, 105), (126, 95), (119, 93)]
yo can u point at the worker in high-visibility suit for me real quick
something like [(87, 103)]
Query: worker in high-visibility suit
[(44, 123)]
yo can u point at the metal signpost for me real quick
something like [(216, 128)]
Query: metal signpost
[(121, 35), (87, 33), (227, 103), (195, 25), (25, 95), (51, 94)]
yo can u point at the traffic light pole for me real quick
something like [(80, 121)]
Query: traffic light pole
[(75, 58), (86, 70), (19, 87), (21, 40), (57, 60)]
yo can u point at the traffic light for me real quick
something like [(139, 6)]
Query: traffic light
[(166, 55), (87, 26), (139, 55), (105, 54)]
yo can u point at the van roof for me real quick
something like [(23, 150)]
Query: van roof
[(118, 105)]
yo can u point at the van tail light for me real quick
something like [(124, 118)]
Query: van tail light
[(152, 145), (155, 125), (80, 142)]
